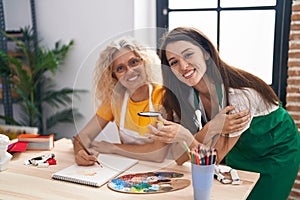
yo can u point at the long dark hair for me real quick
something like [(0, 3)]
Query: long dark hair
[(230, 76)]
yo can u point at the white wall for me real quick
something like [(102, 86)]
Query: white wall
[(90, 23)]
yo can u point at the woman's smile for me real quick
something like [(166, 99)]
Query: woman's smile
[(132, 78), (189, 74)]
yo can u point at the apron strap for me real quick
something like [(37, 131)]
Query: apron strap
[(125, 102)]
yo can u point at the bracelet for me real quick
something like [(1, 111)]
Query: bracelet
[(224, 135)]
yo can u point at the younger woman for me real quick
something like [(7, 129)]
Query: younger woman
[(209, 91)]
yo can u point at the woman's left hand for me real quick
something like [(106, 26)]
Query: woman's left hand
[(170, 132)]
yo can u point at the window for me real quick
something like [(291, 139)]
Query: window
[(249, 34)]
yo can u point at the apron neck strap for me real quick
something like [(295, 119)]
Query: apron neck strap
[(125, 102)]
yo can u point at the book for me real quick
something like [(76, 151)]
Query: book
[(37, 142), (113, 165), (17, 147)]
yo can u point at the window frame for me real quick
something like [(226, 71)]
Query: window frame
[(283, 11)]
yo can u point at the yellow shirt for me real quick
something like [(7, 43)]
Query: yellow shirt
[(132, 120)]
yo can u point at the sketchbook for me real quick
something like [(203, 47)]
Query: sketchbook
[(95, 175)]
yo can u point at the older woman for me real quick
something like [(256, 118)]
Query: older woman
[(124, 87)]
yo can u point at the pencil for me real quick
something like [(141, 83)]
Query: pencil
[(187, 149), (85, 149)]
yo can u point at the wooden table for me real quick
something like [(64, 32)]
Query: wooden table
[(29, 182)]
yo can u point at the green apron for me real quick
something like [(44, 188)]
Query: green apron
[(271, 146)]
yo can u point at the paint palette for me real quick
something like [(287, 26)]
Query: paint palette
[(149, 182)]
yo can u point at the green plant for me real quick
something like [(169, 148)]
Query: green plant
[(31, 78)]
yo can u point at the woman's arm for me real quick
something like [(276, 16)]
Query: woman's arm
[(87, 135), (223, 123), (179, 151), (155, 152), (175, 133), (224, 145), (236, 123)]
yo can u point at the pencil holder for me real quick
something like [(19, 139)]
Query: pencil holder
[(202, 178)]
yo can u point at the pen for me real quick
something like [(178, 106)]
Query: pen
[(85, 149)]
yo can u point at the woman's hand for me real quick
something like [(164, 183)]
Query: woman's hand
[(225, 123), (82, 158), (170, 132)]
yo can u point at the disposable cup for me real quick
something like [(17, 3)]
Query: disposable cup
[(202, 179)]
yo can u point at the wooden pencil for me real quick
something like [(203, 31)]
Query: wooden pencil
[(84, 148)]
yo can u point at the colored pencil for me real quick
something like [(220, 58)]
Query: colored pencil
[(187, 149), (201, 155)]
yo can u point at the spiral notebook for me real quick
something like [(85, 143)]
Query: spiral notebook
[(95, 175)]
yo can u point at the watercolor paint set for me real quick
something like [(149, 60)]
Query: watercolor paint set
[(149, 182)]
